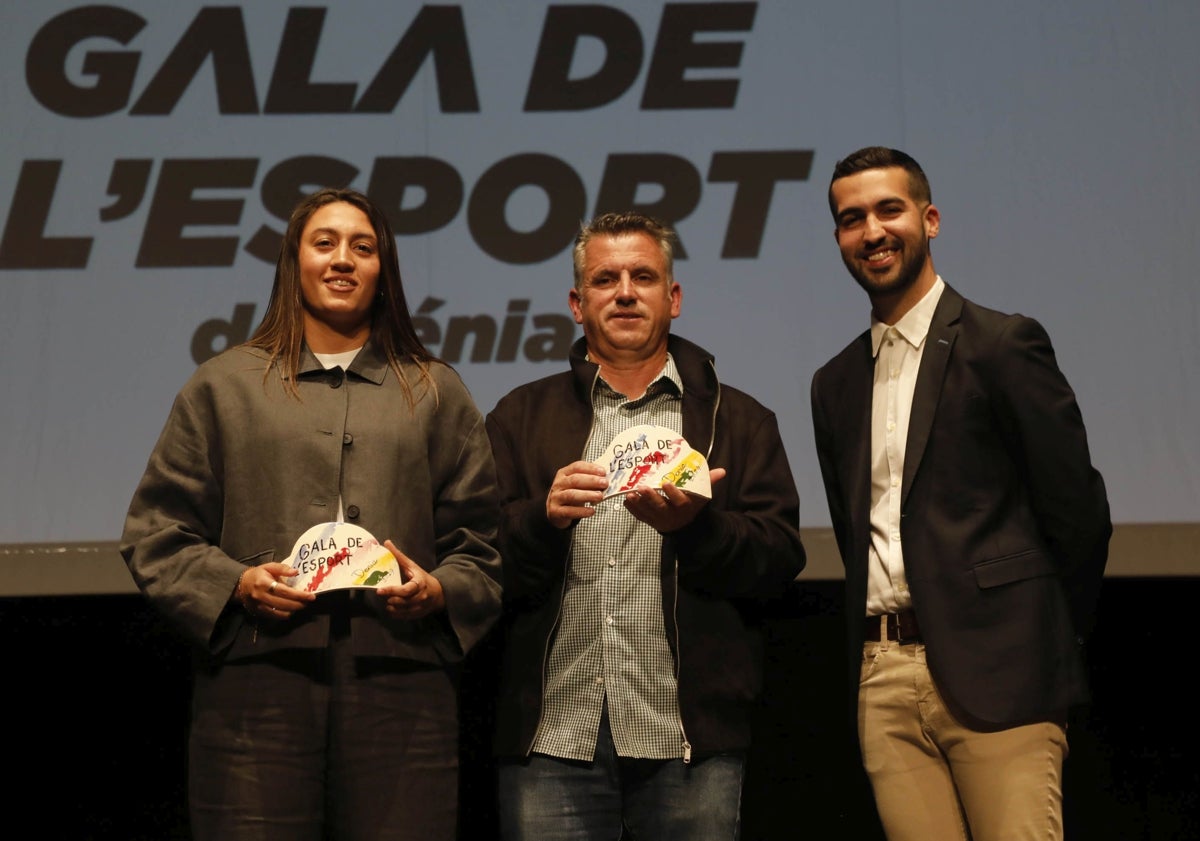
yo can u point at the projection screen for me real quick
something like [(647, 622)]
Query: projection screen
[(151, 153)]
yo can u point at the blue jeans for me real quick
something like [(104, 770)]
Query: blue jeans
[(550, 799)]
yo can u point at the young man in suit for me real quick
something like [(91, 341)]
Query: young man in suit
[(972, 525)]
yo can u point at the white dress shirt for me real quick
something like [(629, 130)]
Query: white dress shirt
[(897, 349)]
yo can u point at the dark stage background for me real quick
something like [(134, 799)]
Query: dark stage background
[(96, 706)]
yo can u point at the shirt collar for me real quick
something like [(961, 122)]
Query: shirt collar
[(913, 326), (668, 380), (369, 364)]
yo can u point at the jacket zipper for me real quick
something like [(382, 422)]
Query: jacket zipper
[(562, 595), (712, 440), (687, 746), (712, 436)]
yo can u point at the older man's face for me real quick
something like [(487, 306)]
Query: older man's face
[(627, 299)]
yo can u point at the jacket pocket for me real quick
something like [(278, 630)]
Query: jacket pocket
[(236, 632), (258, 558), (996, 572)]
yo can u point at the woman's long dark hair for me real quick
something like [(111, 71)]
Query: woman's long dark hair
[(281, 333)]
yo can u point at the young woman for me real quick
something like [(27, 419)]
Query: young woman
[(331, 715)]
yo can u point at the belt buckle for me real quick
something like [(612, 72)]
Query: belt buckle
[(894, 622)]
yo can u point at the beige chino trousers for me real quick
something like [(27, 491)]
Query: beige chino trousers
[(937, 780)]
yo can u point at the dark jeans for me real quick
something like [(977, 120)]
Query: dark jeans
[(549, 799)]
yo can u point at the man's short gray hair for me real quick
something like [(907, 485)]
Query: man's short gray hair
[(615, 224)]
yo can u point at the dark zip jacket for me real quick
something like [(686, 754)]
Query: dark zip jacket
[(742, 548)]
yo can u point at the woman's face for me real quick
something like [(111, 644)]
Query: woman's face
[(339, 272)]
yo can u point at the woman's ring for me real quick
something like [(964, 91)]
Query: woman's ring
[(271, 589)]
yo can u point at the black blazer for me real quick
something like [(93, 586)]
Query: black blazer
[(1004, 521)]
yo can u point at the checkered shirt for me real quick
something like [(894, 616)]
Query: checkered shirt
[(611, 642)]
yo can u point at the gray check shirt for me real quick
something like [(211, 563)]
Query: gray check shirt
[(611, 642)]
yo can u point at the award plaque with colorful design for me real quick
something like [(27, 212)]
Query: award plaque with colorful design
[(337, 556), (650, 456)]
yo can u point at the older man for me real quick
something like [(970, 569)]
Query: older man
[(631, 656)]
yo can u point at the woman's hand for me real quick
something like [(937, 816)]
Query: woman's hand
[(262, 593), (420, 594)]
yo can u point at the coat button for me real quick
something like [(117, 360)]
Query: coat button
[(352, 512), (347, 439)]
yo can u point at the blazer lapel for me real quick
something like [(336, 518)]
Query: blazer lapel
[(857, 419), (943, 330)]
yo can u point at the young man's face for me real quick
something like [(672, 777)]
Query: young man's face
[(884, 233)]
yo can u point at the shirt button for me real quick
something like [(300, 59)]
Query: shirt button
[(612, 562), (599, 681), (608, 620), (352, 512)]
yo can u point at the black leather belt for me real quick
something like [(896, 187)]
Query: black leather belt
[(901, 627)]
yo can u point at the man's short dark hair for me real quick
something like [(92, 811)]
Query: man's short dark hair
[(628, 222), (881, 157)]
